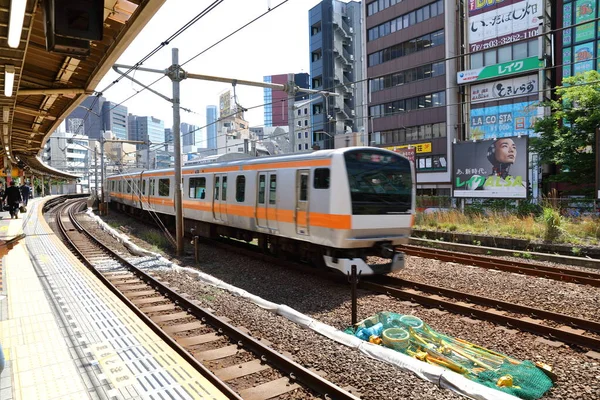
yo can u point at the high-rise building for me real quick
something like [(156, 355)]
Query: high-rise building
[(411, 51), (169, 136), (188, 134), (114, 119), (276, 106), (336, 66), (86, 119), (147, 129), (211, 127)]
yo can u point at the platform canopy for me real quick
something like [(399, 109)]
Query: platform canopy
[(49, 85)]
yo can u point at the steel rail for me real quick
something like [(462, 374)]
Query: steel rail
[(219, 384), (529, 326), (580, 323), (543, 271), (294, 370)]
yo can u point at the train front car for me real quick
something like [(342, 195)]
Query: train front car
[(379, 194)]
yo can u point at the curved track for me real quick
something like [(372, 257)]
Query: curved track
[(222, 352), (525, 268)]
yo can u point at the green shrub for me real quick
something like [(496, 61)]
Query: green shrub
[(552, 223)]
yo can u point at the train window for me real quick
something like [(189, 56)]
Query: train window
[(224, 189), (303, 187), (272, 189), (217, 188), (119, 187), (261, 189), (128, 185), (152, 184), (163, 187), (321, 180), (240, 188), (197, 188), (144, 187)]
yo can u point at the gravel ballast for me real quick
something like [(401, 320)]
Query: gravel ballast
[(578, 373)]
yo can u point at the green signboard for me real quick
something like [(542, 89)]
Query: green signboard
[(499, 70)]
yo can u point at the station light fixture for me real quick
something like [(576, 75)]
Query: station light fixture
[(9, 80), (15, 26), (5, 113)]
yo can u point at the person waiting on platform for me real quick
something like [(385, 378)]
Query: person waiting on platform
[(12, 196), (25, 193)]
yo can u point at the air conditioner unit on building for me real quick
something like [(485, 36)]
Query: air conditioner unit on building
[(352, 112), (351, 30), (351, 57)]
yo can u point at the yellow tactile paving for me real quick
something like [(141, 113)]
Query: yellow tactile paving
[(43, 368), (41, 362)]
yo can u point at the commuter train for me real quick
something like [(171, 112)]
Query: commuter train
[(331, 208)]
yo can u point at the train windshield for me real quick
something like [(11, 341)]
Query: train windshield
[(380, 183)]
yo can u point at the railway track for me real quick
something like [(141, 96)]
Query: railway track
[(525, 268), (240, 365), (560, 327)]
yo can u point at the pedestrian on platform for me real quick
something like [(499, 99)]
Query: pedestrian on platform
[(12, 196), (25, 192)]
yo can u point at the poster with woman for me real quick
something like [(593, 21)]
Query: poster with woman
[(491, 168)]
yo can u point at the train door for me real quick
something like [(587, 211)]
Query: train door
[(220, 198), (272, 201), (301, 213), (261, 200)]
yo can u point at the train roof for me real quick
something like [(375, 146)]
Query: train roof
[(319, 154)]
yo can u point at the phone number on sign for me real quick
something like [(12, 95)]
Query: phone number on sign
[(515, 37)]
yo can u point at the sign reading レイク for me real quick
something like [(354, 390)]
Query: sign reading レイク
[(498, 70)]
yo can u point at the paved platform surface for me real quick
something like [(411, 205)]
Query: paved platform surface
[(66, 336)]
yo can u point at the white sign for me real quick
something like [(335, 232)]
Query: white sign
[(505, 25), (506, 88)]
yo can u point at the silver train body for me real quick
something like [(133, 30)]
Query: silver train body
[(330, 207)]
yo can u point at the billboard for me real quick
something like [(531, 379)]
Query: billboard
[(225, 104), (491, 168), (499, 70), (513, 22), (506, 88), (503, 121), (585, 10), (407, 152)]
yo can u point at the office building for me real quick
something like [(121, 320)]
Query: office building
[(336, 66), (276, 105), (114, 119), (411, 51), (211, 127), (86, 118)]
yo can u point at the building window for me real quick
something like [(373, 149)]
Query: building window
[(300, 147), (407, 76), (299, 112), (414, 103), (317, 109), (404, 21), (197, 188), (305, 146), (316, 28), (317, 82), (240, 188), (306, 135), (305, 110), (316, 55), (406, 48), (299, 135)]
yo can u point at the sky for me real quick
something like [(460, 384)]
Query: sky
[(277, 43)]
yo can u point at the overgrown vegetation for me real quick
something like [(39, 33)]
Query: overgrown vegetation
[(530, 222), (156, 239)]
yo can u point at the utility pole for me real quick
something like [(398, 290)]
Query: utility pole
[(96, 172), (291, 115), (177, 75), (101, 207)]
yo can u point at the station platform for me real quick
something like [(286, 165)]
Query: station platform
[(66, 336)]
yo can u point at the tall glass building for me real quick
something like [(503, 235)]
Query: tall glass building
[(114, 119), (211, 127), (146, 129)]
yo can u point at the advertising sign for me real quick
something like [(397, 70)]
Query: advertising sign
[(504, 25), (408, 153), (491, 168), (225, 104), (503, 121), (583, 57), (480, 6), (499, 70), (419, 147), (585, 10), (567, 21), (507, 88)]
